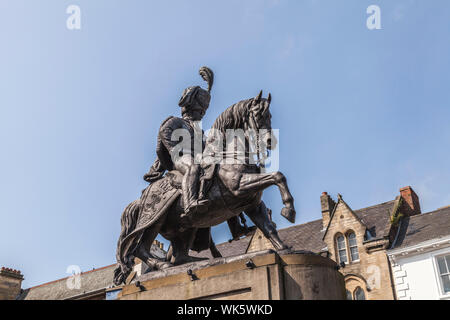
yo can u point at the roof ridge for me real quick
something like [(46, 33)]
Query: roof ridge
[(375, 205), (434, 211), (65, 278), (302, 224)]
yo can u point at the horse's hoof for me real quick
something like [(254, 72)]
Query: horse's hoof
[(289, 214), (196, 259)]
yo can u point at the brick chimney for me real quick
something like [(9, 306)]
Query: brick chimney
[(10, 283), (410, 204), (159, 244), (327, 204)]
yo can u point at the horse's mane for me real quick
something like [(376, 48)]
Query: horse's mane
[(234, 116)]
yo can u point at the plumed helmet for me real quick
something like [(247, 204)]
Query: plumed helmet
[(201, 95)]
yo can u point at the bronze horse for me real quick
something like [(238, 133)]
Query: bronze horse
[(234, 188)]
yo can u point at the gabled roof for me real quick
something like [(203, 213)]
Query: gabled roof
[(91, 281), (259, 243), (423, 227), (341, 200)]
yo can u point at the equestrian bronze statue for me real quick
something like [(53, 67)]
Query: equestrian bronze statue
[(192, 188)]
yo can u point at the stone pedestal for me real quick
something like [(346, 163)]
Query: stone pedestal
[(262, 275)]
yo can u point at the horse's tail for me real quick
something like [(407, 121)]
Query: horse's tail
[(123, 255)]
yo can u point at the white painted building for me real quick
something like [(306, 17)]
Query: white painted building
[(420, 259)]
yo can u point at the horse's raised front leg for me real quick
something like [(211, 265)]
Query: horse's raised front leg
[(259, 216), (252, 182)]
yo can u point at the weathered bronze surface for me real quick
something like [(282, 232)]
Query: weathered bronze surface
[(186, 197)]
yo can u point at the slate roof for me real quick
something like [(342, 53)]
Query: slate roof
[(57, 290), (423, 227), (377, 218), (308, 236)]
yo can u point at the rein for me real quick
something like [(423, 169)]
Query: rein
[(260, 157)]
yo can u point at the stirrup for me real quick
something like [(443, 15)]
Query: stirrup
[(198, 206)]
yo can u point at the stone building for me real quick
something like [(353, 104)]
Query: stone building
[(358, 240), (368, 244)]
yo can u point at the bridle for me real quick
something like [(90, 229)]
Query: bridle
[(253, 124)]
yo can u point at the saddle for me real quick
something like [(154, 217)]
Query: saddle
[(175, 178)]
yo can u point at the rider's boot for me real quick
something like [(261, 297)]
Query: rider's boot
[(192, 204), (197, 206)]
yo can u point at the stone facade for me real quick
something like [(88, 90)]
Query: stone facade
[(369, 233), (370, 271), (259, 242)]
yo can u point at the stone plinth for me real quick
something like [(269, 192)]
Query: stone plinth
[(265, 275)]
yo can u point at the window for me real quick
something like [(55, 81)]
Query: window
[(359, 294), (342, 250), (353, 246), (349, 295), (444, 272), (347, 245)]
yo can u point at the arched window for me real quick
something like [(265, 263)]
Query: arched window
[(341, 247), (359, 294), (353, 247), (349, 295)]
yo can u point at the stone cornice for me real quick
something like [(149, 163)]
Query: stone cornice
[(376, 244)]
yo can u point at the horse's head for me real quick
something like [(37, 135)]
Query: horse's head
[(250, 115), (260, 120)]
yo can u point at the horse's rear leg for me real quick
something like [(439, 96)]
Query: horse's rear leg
[(259, 216), (214, 251), (181, 246), (236, 228), (143, 251)]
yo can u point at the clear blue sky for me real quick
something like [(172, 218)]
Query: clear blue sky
[(360, 112)]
